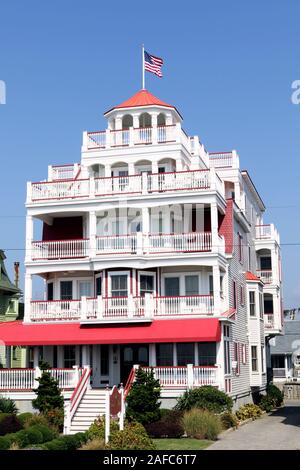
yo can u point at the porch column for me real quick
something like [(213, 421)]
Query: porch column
[(8, 357), (275, 266), (179, 166), (214, 226), (60, 356), (36, 358), (216, 289), (86, 356), (136, 122), (93, 233), (27, 296), (152, 355), (154, 167), (154, 127), (29, 237), (145, 220), (174, 354), (107, 170), (220, 362), (131, 168), (286, 366)]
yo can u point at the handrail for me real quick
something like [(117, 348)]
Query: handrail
[(129, 382), (79, 391)]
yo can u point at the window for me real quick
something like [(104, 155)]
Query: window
[(221, 286), (227, 364), (164, 354), (242, 295), (98, 286), (254, 363), (50, 291), (119, 286), (237, 357), (172, 286), (66, 290), (69, 356), (252, 303), (146, 284), (243, 354), (191, 285), (84, 289), (14, 353), (263, 359), (234, 294), (249, 258), (240, 247), (104, 364), (261, 306), (211, 285), (265, 263), (207, 354), (185, 354)]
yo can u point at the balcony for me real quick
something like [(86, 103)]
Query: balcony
[(266, 275), (131, 186), (138, 244), (224, 160), (118, 309), (269, 321), (266, 232), (110, 139)]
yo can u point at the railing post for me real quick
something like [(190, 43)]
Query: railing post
[(84, 309), (149, 311), (92, 187), (85, 141), (178, 132), (67, 417), (107, 415), (29, 192), (131, 137), (37, 373), (122, 412), (144, 183), (99, 312), (139, 243), (76, 375), (107, 138), (130, 306), (190, 376)]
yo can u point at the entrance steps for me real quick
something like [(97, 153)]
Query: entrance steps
[(91, 406)]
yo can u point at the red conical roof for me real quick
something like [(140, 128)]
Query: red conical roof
[(142, 98)]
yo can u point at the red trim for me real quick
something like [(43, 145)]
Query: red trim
[(63, 166), (67, 180), (62, 240)]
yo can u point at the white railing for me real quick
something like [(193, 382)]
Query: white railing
[(64, 172), (184, 305), (142, 136), (116, 244), (17, 379), (179, 181), (166, 134), (55, 310), (119, 138), (25, 379), (60, 189), (60, 249), (263, 231), (185, 376), (96, 139), (279, 372), (221, 160), (67, 378), (268, 320), (187, 242), (265, 275), (109, 186)]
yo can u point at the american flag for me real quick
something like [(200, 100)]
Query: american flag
[(153, 64)]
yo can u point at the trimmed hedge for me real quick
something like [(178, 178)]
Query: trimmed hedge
[(4, 443), (70, 442), (206, 398)]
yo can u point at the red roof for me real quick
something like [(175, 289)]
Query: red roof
[(17, 333), (142, 98), (251, 277)]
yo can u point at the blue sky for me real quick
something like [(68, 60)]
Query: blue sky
[(228, 68)]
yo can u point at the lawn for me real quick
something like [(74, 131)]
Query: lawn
[(181, 444)]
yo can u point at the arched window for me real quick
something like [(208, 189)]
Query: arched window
[(127, 121), (145, 120), (161, 120)]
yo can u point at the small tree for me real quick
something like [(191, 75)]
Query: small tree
[(142, 401), (49, 401)]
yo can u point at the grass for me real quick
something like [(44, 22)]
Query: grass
[(181, 444)]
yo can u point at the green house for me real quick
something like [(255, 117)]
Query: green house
[(10, 310)]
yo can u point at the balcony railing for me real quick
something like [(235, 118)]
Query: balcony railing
[(269, 320), (279, 372), (119, 308), (266, 275), (134, 136), (185, 376), (60, 249), (223, 160), (63, 172), (131, 185), (25, 379), (132, 244)]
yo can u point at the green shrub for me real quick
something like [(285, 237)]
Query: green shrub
[(71, 442), (55, 418), (22, 439), (4, 443), (47, 433), (134, 437), (34, 435), (55, 444), (24, 417), (267, 403), (36, 418), (142, 401), (201, 424), (97, 429), (274, 393), (9, 423), (248, 411), (49, 397), (94, 444), (207, 398), (228, 420), (169, 425), (8, 406)]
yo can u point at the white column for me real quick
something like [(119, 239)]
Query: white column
[(27, 296), (145, 220), (131, 168), (214, 226), (286, 365), (60, 356), (154, 167), (220, 362), (275, 266), (216, 282), (107, 170), (136, 122), (36, 356), (179, 166), (154, 127), (152, 355), (92, 233), (29, 237)]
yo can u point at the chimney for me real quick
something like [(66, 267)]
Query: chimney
[(16, 266)]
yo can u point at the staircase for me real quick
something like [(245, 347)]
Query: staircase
[(91, 406)]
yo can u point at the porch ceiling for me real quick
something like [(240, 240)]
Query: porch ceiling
[(159, 331)]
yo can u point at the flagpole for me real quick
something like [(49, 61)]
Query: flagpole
[(143, 64)]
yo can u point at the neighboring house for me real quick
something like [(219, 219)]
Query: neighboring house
[(14, 356), (153, 252), (285, 353)]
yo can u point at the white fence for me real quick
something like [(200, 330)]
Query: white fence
[(197, 241), (25, 379), (55, 310), (60, 249), (185, 376), (117, 244), (68, 189)]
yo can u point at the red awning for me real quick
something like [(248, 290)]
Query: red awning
[(159, 331)]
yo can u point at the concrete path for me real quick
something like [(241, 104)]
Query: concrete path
[(278, 431)]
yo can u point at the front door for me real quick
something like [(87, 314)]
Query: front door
[(132, 354)]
